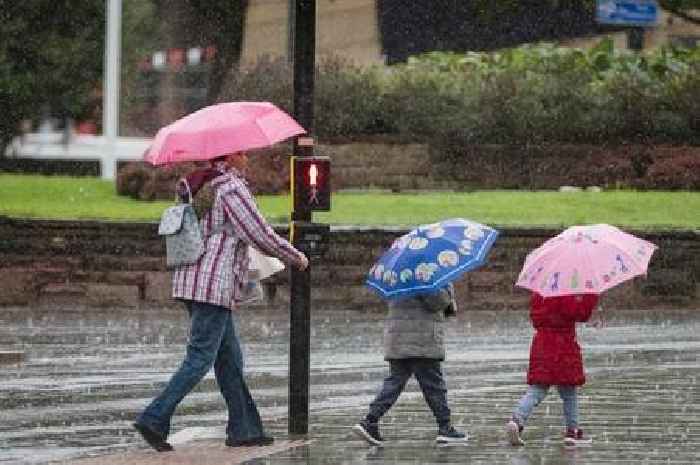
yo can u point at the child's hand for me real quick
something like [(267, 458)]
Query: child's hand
[(597, 321)]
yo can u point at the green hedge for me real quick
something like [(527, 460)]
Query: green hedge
[(536, 94), (526, 95)]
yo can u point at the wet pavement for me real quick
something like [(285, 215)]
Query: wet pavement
[(86, 373)]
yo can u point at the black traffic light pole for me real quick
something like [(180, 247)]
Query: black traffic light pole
[(304, 36)]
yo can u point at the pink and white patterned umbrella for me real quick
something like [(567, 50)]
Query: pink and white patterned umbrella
[(585, 260)]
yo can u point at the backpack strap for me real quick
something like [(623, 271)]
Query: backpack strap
[(183, 192)]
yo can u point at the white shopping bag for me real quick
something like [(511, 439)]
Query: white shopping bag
[(261, 266)]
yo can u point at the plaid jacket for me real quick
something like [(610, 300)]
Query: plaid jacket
[(233, 223)]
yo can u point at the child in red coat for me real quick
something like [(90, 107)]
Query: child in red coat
[(555, 360)]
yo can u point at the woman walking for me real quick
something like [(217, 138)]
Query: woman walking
[(212, 289)]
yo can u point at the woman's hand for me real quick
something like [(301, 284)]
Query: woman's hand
[(304, 263)]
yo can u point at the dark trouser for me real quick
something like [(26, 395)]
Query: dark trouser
[(213, 341), (429, 376)]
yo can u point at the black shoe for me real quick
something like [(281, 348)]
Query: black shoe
[(369, 432), (259, 441), (449, 434), (153, 438)]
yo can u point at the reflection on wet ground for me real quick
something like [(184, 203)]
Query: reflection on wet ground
[(86, 374)]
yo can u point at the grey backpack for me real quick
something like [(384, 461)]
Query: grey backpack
[(184, 242)]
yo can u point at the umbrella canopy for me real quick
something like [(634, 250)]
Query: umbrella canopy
[(431, 256), (220, 129), (585, 260)]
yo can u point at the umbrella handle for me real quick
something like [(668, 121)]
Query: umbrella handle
[(598, 320)]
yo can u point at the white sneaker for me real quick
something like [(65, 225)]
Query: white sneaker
[(513, 431), (450, 434), (368, 432), (575, 437)]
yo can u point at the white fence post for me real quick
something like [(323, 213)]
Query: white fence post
[(110, 121)]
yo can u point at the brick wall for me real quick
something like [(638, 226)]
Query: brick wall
[(92, 263)]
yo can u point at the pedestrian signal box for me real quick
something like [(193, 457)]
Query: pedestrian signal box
[(311, 238), (311, 183)]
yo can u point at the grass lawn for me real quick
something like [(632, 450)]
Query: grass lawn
[(91, 198)]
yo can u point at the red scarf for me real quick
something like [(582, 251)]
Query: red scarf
[(196, 180)]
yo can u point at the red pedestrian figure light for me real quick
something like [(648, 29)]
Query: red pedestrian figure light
[(311, 183), (313, 174)]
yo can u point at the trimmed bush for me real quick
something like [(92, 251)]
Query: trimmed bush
[(549, 166), (546, 94), (131, 180), (143, 181), (526, 95), (349, 99), (268, 172)]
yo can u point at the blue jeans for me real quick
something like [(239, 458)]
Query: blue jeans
[(213, 341), (429, 376), (536, 394)]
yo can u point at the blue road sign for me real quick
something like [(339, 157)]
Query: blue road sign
[(628, 12)]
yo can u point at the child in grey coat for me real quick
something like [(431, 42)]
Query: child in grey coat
[(414, 344)]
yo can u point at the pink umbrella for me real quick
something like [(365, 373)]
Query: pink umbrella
[(220, 129), (585, 260)]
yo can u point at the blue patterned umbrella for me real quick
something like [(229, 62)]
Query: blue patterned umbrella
[(431, 256)]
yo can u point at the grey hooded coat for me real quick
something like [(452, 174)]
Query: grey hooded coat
[(414, 327)]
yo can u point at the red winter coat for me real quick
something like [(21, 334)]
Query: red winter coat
[(555, 356)]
